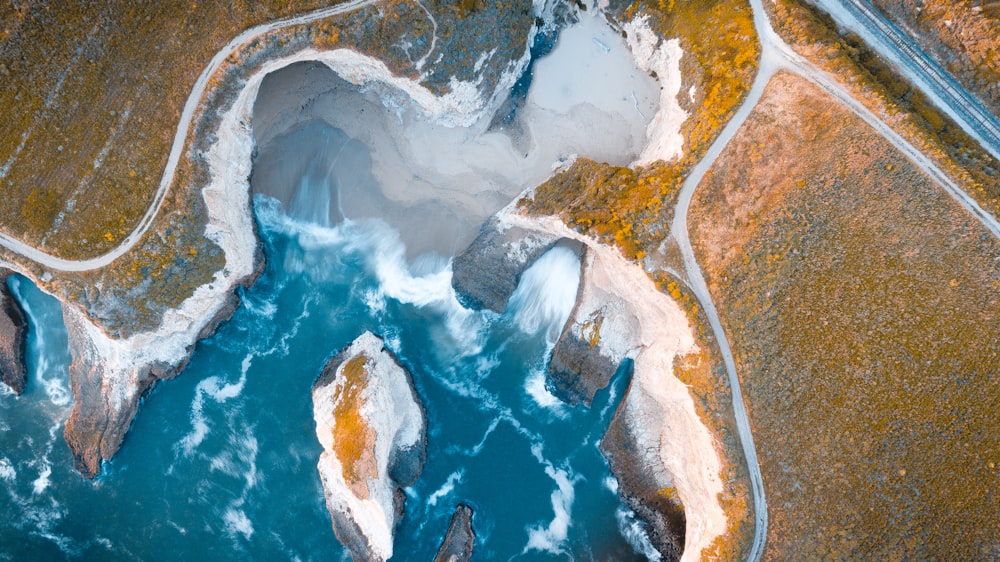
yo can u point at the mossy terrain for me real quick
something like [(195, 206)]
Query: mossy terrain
[(626, 206), (619, 205), (862, 304), (814, 34), (961, 36), (353, 438), (92, 93)]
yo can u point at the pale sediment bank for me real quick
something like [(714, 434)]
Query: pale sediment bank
[(624, 315), (435, 171)]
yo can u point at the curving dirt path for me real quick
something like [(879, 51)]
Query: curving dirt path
[(61, 264)]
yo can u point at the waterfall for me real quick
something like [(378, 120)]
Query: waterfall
[(546, 294)]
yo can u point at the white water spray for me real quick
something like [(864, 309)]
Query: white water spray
[(546, 294)]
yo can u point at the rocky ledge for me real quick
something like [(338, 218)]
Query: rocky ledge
[(662, 454), (458, 543), (370, 423), (109, 376), (13, 337), (486, 274)]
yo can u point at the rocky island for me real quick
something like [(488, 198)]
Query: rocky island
[(371, 424), (13, 334)]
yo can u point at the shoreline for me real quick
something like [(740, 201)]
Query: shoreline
[(109, 376), (661, 413)]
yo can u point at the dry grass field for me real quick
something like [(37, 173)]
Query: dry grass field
[(863, 305), (814, 34)]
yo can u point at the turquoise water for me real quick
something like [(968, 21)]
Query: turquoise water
[(221, 462)]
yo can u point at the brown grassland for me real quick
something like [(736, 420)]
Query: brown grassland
[(863, 305), (91, 99)]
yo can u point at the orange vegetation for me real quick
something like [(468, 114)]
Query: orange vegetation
[(863, 305), (814, 34), (353, 438)]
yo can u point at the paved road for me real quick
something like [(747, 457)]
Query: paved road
[(60, 264), (893, 44)]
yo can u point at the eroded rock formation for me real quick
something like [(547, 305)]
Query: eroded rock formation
[(662, 454), (458, 542), (108, 376), (13, 335), (370, 422)]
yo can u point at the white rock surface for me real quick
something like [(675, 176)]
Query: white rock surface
[(392, 409)]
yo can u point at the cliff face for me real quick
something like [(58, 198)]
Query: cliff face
[(486, 273), (13, 335), (108, 376), (370, 422)]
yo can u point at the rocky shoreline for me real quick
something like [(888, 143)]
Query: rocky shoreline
[(108, 384), (13, 338), (659, 450)]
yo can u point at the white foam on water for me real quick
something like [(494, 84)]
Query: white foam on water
[(7, 470), (447, 488), (545, 296), (635, 534), (219, 391), (534, 386), (41, 483), (428, 285), (611, 483), (552, 538), (478, 447), (237, 523), (45, 373)]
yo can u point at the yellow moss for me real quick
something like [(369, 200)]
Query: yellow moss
[(353, 438)]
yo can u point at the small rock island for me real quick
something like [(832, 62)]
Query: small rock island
[(370, 422)]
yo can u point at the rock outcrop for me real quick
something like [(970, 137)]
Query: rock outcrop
[(649, 493), (13, 337), (486, 273), (597, 337), (370, 422), (109, 376), (460, 539)]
